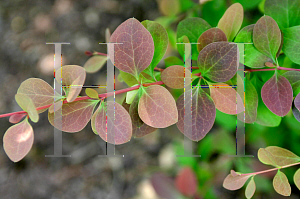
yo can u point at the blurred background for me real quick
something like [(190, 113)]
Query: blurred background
[(149, 167)]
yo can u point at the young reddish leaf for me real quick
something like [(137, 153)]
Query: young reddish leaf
[(267, 36), (250, 99), (277, 94), (73, 78), (18, 140), (284, 12), (106, 127), (226, 99), (16, 118), (92, 93), (160, 39), (164, 186), (203, 114), (40, 92), (253, 58), (250, 189), (173, 76), (281, 184), (94, 63), (157, 107), (210, 36), (235, 182), (136, 51), (232, 20), (291, 44), (186, 182), (266, 157), (139, 128), (169, 7), (297, 178), (234, 173), (192, 28), (218, 61), (27, 105), (171, 61), (294, 79), (74, 115), (57, 106), (282, 156)]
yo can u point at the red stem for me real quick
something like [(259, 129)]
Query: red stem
[(102, 96)]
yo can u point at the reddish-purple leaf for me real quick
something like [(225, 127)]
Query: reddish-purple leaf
[(164, 186), (186, 182), (40, 92), (226, 99), (277, 94), (218, 61), (296, 113), (55, 106), (173, 76), (203, 114), (119, 129), (157, 107), (210, 36), (297, 102), (18, 140), (139, 128), (137, 49), (75, 115), (73, 78), (16, 118), (235, 182)]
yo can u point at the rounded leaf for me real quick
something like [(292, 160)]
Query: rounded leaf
[(281, 184), (210, 36), (282, 156), (16, 118), (234, 182), (18, 140), (27, 105), (291, 44), (92, 93), (186, 182), (297, 178), (173, 76), (266, 157), (250, 189), (94, 63), (157, 107), (294, 79)]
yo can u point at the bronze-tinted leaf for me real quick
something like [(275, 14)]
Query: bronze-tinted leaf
[(94, 63), (173, 76), (27, 105), (281, 184), (139, 128), (218, 61), (232, 20), (157, 107), (277, 94), (40, 92), (16, 118), (203, 114), (235, 182), (266, 157), (18, 140), (297, 178), (92, 93), (210, 36), (136, 51), (75, 115), (186, 182), (116, 130), (226, 99), (282, 156), (250, 189), (73, 78)]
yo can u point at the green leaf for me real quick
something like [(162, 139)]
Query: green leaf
[(250, 189), (283, 156), (235, 181), (192, 28), (232, 20), (129, 79), (210, 36), (160, 39), (157, 107), (267, 37), (218, 61), (131, 95), (74, 115), (95, 63), (212, 11), (27, 105), (73, 78), (248, 4), (92, 93), (281, 184), (18, 140), (253, 58), (291, 44), (266, 157), (284, 12), (39, 91), (174, 76), (170, 61), (294, 79), (297, 179)]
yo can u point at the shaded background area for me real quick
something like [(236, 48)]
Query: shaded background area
[(25, 27)]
